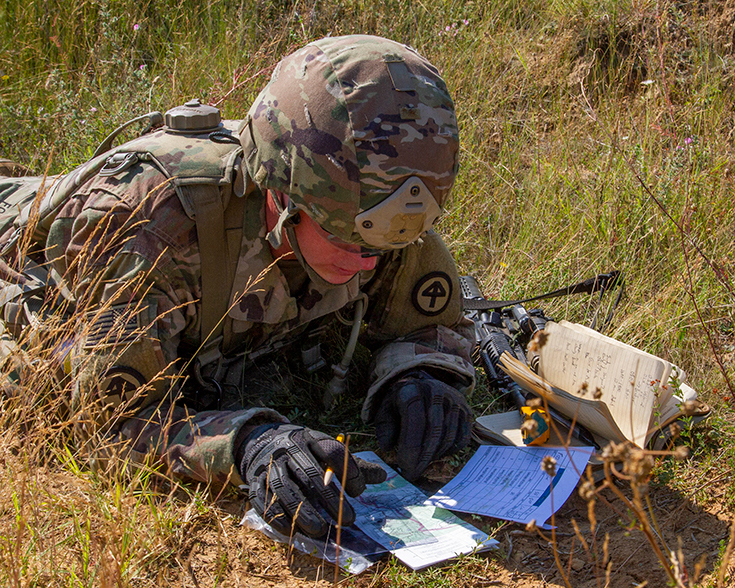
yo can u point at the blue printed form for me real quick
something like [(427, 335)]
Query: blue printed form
[(508, 482)]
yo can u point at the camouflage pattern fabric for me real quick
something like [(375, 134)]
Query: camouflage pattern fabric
[(125, 241), (344, 122), (207, 436), (16, 193)]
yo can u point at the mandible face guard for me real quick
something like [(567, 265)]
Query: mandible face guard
[(401, 218)]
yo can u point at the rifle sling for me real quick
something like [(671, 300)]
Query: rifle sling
[(600, 282)]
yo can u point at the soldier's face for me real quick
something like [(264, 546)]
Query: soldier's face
[(333, 259)]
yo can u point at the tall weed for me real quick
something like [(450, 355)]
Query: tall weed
[(576, 118)]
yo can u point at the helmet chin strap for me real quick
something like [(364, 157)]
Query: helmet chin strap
[(288, 217), (285, 218), (320, 282), (286, 214)]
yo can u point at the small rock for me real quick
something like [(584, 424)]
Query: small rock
[(577, 564)]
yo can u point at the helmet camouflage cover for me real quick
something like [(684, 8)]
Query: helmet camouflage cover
[(356, 126)]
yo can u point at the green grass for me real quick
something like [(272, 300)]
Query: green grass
[(574, 116)]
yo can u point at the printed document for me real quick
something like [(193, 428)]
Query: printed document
[(394, 514), (508, 482)]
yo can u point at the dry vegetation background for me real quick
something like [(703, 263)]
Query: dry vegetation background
[(595, 135)]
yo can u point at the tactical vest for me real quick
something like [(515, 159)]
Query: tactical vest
[(201, 154)]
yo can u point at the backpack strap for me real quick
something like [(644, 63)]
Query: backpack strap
[(218, 254)]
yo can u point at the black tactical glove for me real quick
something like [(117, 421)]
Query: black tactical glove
[(284, 467), (423, 419)]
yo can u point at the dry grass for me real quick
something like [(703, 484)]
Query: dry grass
[(595, 135)]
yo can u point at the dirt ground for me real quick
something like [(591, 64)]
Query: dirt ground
[(222, 553)]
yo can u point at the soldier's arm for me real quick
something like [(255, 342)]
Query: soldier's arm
[(130, 254), (416, 308)]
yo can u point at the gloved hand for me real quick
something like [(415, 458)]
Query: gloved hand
[(423, 419), (284, 467)]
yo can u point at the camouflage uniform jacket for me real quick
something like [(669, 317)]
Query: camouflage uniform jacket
[(128, 250)]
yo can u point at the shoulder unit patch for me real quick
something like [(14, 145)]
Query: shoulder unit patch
[(432, 293), (120, 383)]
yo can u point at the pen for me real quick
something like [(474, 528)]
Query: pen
[(330, 473)]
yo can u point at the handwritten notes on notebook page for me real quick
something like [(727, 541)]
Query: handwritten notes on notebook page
[(614, 389)]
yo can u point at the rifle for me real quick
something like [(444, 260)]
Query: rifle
[(508, 329)]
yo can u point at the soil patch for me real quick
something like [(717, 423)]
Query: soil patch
[(222, 553)]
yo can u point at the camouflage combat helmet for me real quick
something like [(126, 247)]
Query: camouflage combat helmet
[(360, 132)]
